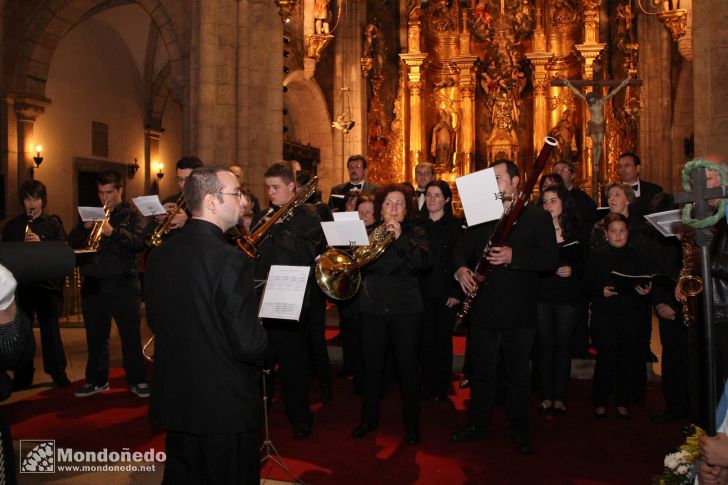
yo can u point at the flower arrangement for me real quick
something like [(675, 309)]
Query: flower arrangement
[(679, 466)]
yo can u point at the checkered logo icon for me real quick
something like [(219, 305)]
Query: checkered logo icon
[(37, 456)]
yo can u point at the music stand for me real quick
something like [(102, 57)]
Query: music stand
[(271, 453)]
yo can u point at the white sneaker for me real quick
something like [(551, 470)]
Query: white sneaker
[(89, 389)]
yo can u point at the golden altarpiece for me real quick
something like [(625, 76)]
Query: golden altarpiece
[(475, 85)]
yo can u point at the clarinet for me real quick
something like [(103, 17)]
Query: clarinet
[(505, 226)]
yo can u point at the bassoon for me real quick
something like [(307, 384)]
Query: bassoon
[(505, 225)]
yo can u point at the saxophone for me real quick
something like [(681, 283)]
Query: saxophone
[(689, 283)]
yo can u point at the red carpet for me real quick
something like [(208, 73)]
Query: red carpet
[(574, 449)]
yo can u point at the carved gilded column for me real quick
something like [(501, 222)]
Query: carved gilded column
[(27, 111), (415, 82), (540, 81), (466, 82)]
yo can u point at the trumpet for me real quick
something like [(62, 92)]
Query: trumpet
[(28, 229), (94, 239), (249, 243), (338, 274), (156, 238)]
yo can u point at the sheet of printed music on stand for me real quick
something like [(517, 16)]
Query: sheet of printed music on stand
[(284, 291), (479, 195)]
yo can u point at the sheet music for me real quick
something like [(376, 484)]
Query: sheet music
[(346, 216), (284, 292), (346, 232), (91, 214), (479, 196), (149, 205)]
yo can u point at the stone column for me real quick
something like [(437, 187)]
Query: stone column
[(710, 71), (151, 155), (27, 111)]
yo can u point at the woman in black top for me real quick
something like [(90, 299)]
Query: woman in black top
[(390, 306), (558, 301), (440, 291)]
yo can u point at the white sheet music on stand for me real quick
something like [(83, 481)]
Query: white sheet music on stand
[(284, 292), (346, 216), (149, 205), (345, 233), (479, 196), (91, 214)]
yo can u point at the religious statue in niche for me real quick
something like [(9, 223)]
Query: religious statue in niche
[(481, 21), (564, 15), (377, 139), (443, 142), (565, 133), (375, 49), (624, 26), (321, 15)]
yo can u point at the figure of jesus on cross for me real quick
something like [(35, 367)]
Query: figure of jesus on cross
[(595, 126)]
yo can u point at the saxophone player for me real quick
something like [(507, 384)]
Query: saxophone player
[(111, 289), (43, 299), (294, 242)]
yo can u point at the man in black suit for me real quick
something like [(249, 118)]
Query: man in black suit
[(294, 242), (628, 170), (424, 174), (202, 307), (585, 205), (503, 315), (357, 168)]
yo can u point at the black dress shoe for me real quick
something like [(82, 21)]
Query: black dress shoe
[(362, 430), (524, 447), (650, 357), (61, 380), (464, 383), (468, 433), (413, 437), (302, 431), (623, 416), (600, 416)]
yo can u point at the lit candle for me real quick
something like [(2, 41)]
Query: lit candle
[(38, 149)]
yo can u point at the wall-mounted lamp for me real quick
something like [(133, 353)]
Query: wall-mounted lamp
[(160, 170), (131, 168), (38, 159)]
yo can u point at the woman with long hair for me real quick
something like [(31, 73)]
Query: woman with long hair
[(440, 292), (558, 299), (390, 305)]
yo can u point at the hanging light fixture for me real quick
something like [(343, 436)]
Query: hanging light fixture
[(669, 13), (343, 121)]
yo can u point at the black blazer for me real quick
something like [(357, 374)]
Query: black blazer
[(337, 203), (202, 307), (508, 297), (443, 235), (390, 284)]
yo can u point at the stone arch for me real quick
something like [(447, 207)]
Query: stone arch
[(312, 124), (160, 93), (47, 26)]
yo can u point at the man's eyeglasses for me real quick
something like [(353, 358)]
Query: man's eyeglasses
[(180, 179), (562, 170), (237, 194)]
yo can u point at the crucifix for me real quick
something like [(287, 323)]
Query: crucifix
[(703, 199), (595, 127)]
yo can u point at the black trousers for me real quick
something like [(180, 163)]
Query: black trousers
[(315, 328), (674, 338), (102, 300), (226, 459), (436, 357), (487, 346), (45, 304), (403, 334), (697, 369), (616, 338), (555, 331), (287, 348)]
